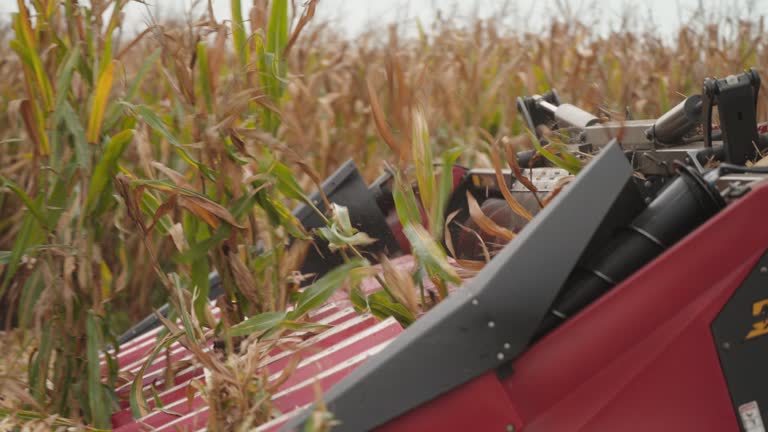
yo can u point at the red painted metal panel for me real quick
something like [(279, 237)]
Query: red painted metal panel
[(139, 347), (641, 358), (351, 324), (324, 341), (310, 367), (347, 323), (328, 356), (288, 399), (479, 405), (343, 350)]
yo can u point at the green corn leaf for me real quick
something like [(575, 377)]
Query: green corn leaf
[(205, 76), (158, 125), (139, 406), (114, 21), (155, 122), (272, 65), (63, 84), (30, 294), (64, 76), (243, 205), (97, 400), (318, 293), (303, 325), (51, 421), (199, 274), (32, 60), (286, 183), (107, 165), (191, 329), (84, 68), (270, 119), (573, 166), (179, 310), (64, 372), (542, 82), (359, 300), (277, 34), (200, 249), (405, 202), (338, 240), (23, 26), (258, 323), (111, 361), (383, 305), (99, 104), (445, 187), (167, 186), (423, 161), (341, 234), (238, 32), (664, 103), (40, 365), (423, 38), (279, 215), (233, 152), (114, 113), (429, 254), (29, 234), (75, 127), (572, 161), (91, 45), (5, 256), (149, 205), (59, 196), (34, 207)]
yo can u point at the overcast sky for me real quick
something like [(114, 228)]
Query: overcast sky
[(356, 15)]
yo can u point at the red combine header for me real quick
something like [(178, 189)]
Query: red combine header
[(635, 300)]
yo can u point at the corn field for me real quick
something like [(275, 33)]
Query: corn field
[(131, 168)]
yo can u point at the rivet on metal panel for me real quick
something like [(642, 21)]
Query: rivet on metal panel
[(763, 269), (475, 302), (510, 428), (507, 346), (491, 324), (500, 356)]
